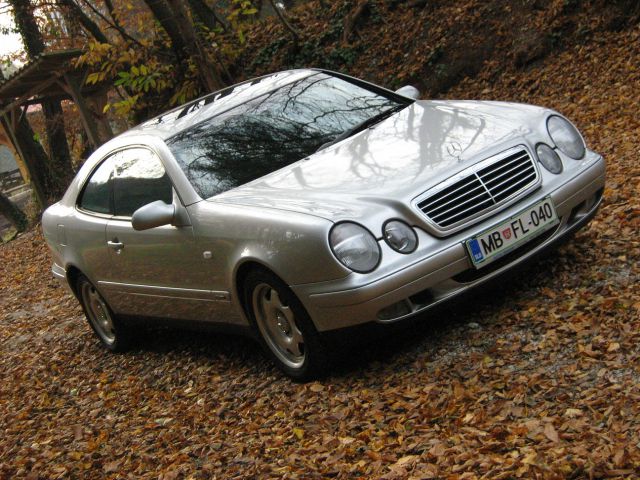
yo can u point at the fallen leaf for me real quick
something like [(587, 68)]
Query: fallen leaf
[(550, 432)]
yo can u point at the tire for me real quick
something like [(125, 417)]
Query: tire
[(113, 334), (283, 327)]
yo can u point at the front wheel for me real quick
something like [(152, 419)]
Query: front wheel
[(283, 326), (112, 333)]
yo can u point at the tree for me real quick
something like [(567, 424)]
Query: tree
[(208, 75), (116, 23), (34, 157), (60, 167), (207, 15), (84, 20), (173, 17)]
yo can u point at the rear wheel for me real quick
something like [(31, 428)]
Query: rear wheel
[(283, 326), (112, 333)]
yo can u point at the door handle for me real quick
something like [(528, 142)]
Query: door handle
[(116, 245)]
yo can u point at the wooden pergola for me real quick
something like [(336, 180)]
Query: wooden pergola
[(51, 75)]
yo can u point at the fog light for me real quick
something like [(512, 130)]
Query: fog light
[(590, 202), (400, 236), (397, 310), (549, 158), (585, 207)]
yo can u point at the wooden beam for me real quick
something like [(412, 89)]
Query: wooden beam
[(37, 100), (14, 121), (30, 93)]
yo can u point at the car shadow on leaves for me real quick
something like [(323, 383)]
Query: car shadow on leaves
[(461, 325), (225, 351)]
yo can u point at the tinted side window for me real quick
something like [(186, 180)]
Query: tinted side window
[(139, 179), (96, 196)]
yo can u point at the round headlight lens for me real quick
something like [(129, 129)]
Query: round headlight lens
[(355, 247), (400, 236), (566, 137), (549, 158)]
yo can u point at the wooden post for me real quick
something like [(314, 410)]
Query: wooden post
[(6, 141)]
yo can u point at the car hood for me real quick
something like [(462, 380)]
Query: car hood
[(387, 166)]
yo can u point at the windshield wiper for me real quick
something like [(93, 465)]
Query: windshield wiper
[(369, 122)]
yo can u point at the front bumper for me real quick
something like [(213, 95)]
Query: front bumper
[(445, 270)]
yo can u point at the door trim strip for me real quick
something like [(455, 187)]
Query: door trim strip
[(168, 292)]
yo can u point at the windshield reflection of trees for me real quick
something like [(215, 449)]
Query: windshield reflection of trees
[(376, 162), (272, 131), (430, 131)]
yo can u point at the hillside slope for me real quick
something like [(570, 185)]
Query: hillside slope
[(431, 44)]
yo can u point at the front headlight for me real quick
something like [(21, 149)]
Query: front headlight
[(566, 137), (400, 236), (549, 158), (355, 247)]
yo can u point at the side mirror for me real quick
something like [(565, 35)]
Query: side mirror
[(153, 215), (409, 91)]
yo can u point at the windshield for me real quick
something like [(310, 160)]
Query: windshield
[(273, 130)]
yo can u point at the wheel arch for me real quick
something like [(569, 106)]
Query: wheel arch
[(73, 273), (240, 276)]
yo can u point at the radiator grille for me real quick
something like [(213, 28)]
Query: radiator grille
[(480, 190)]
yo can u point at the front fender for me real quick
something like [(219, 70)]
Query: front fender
[(293, 245)]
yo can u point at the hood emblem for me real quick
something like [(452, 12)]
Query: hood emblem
[(454, 149)]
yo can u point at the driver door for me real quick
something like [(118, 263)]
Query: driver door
[(154, 272)]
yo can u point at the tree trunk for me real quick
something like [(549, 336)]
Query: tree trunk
[(210, 19), (88, 24), (26, 24), (60, 164), (351, 19), (164, 15), (59, 155), (12, 213), (172, 15), (35, 159), (207, 15), (208, 76)]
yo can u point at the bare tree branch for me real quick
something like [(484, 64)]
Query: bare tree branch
[(111, 24), (294, 33)]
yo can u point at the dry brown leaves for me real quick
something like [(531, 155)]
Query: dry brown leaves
[(539, 381)]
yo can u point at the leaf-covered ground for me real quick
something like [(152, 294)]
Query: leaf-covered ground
[(539, 378)]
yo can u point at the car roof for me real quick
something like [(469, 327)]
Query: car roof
[(173, 121)]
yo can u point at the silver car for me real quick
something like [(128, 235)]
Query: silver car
[(308, 201)]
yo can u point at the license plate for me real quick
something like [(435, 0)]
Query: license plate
[(501, 239)]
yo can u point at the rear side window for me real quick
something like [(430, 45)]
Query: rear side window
[(139, 179), (96, 196)]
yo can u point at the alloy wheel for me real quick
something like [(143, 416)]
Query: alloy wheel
[(277, 324), (98, 313)]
